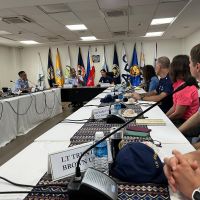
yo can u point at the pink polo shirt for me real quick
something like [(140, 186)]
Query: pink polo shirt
[(186, 97)]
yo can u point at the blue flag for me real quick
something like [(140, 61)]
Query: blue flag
[(115, 69), (134, 69), (88, 67)]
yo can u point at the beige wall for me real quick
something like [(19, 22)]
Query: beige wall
[(30, 58), (15, 59), (9, 65)]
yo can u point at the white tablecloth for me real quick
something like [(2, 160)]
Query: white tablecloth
[(23, 113), (29, 165)]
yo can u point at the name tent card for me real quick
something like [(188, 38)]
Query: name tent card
[(63, 164), (102, 113)]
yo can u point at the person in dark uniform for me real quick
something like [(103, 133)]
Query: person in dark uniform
[(105, 78), (164, 87)]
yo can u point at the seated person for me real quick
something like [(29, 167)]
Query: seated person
[(116, 74), (151, 81), (74, 79), (164, 87), (22, 83), (191, 128), (186, 101), (183, 172), (105, 78)]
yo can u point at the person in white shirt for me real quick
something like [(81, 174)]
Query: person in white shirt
[(75, 80)]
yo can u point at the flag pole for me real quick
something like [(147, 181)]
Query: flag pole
[(40, 81)]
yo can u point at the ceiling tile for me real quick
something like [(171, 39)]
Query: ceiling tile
[(66, 18)]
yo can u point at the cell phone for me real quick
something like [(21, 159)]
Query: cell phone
[(138, 129)]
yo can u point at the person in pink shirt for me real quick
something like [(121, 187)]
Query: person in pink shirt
[(186, 101)]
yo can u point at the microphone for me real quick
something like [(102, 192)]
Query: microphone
[(78, 187)]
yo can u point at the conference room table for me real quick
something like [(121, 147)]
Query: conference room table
[(80, 94), (29, 165), (20, 114)]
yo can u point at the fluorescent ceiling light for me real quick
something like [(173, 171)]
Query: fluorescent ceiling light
[(4, 33), (153, 34), (76, 27), (162, 21), (89, 38), (29, 42)]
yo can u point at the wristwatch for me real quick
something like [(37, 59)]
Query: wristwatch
[(196, 194)]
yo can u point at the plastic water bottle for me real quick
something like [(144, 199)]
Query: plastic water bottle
[(117, 108), (101, 153)]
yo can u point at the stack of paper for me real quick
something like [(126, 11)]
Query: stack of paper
[(150, 122)]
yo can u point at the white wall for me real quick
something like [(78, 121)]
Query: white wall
[(31, 63), (9, 65), (16, 59), (190, 41)]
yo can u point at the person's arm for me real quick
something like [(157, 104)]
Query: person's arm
[(155, 98), (170, 111), (178, 112), (190, 123), (153, 84), (141, 96), (101, 80), (80, 80)]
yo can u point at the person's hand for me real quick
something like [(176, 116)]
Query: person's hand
[(171, 165), (136, 96), (187, 179)]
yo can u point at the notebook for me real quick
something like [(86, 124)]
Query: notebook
[(151, 122)]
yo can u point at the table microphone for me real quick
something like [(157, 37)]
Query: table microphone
[(95, 184)]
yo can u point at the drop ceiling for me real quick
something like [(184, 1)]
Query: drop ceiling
[(108, 20)]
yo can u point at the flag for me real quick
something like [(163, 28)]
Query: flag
[(115, 69), (124, 65), (142, 60), (105, 66), (155, 55), (88, 67), (91, 77), (58, 75), (41, 74), (50, 70), (134, 69), (80, 66), (67, 66)]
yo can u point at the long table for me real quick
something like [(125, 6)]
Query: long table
[(18, 115), (80, 94), (29, 165)]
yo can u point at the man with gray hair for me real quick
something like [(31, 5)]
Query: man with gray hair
[(164, 87)]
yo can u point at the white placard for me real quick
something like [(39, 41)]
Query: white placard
[(101, 113), (68, 86), (63, 164), (105, 84)]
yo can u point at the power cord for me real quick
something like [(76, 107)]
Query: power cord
[(16, 111), (32, 186), (1, 110)]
